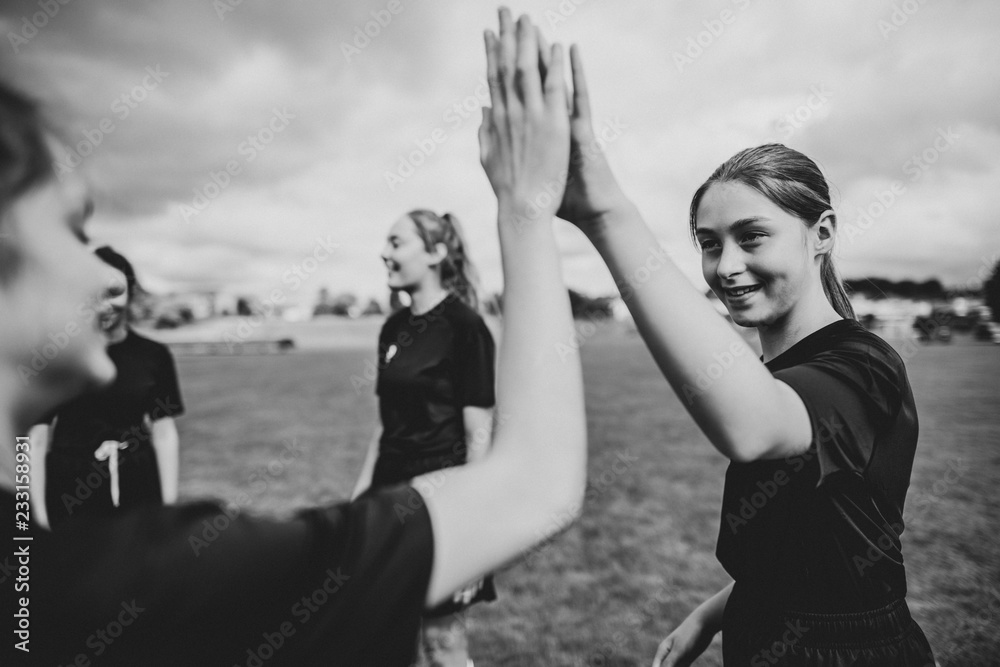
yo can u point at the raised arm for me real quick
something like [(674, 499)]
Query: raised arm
[(531, 484), (743, 410)]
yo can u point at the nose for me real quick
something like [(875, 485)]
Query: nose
[(730, 261)]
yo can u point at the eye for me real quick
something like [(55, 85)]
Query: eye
[(708, 245), (752, 238)]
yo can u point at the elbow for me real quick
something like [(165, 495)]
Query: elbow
[(743, 448), (565, 503)]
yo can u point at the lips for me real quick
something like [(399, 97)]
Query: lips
[(741, 291)]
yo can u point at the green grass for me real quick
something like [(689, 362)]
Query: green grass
[(612, 586)]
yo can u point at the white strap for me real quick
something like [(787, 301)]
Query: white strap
[(109, 451)]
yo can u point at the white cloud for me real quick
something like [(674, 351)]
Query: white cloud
[(823, 78)]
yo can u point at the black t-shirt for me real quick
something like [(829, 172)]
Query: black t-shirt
[(146, 385), (819, 532), (430, 367), (193, 585)]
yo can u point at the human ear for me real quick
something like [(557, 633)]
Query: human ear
[(439, 253), (824, 233)]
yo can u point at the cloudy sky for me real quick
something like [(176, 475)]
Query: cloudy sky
[(228, 141)]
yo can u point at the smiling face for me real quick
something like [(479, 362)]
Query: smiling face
[(113, 308), (409, 264), (49, 335), (756, 256)]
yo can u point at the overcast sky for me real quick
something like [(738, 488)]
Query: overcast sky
[(330, 134)]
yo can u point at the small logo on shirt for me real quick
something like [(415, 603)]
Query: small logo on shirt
[(391, 352)]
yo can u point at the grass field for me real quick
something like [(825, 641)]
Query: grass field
[(610, 588)]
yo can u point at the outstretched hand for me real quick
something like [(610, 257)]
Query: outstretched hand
[(524, 136), (591, 189)]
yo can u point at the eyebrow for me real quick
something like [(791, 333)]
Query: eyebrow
[(739, 224)]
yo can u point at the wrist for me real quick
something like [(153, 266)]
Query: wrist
[(520, 213), (615, 218)]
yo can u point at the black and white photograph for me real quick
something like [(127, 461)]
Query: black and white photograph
[(556, 333)]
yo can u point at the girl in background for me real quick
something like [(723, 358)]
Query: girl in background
[(435, 388), (125, 432)]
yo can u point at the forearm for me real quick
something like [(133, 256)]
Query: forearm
[(710, 612), (166, 446), (706, 362), (540, 387)]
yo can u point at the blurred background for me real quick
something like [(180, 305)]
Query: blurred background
[(227, 139)]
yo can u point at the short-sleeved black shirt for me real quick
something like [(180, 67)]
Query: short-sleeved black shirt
[(430, 367), (146, 385), (819, 532), (193, 585)]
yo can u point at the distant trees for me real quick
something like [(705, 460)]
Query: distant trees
[(880, 288), (991, 292)]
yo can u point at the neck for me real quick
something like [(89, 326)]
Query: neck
[(811, 313), (426, 297)]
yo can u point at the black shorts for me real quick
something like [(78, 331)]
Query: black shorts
[(883, 637)]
